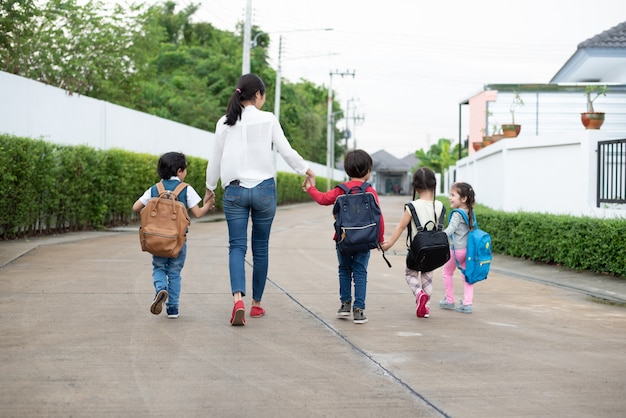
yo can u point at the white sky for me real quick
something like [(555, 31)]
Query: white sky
[(415, 61)]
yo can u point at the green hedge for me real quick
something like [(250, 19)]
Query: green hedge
[(50, 188), (578, 243)]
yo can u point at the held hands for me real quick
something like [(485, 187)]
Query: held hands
[(385, 245), (209, 199), (309, 180)]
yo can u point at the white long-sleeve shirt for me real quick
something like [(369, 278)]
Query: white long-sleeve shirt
[(244, 151)]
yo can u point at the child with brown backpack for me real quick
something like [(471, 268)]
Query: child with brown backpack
[(163, 230)]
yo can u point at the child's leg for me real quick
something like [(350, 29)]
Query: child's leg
[(345, 277), (468, 293), (468, 289), (359, 272), (446, 275), (173, 273), (159, 272), (412, 279), (427, 285)]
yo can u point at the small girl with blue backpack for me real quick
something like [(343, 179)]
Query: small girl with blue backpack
[(461, 197)]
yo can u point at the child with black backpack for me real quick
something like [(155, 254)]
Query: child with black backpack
[(353, 252), (172, 168), (428, 210)]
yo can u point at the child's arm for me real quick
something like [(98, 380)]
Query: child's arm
[(325, 199), (402, 224), (198, 211), (138, 205), (455, 221)]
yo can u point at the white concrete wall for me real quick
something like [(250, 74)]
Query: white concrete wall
[(36, 110), (546, 174)]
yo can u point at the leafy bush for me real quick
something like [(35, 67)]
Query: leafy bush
[(50, 188)]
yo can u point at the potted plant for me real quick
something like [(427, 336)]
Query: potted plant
[(512, 130), (592, 119), (496, 133)]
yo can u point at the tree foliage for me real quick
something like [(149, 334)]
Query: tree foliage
[(152, 58), (440, 156)]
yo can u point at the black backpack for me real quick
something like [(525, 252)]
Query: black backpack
[(357, 220), (429, 250)]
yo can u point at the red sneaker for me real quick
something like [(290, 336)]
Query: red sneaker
[(421, 300), (238, 316), (257, 312)]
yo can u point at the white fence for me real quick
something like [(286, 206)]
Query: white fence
[(546, 174), (35, 110)]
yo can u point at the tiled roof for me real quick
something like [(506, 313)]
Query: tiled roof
[(611, 38)]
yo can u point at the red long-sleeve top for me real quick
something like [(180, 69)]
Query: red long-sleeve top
[(330, 196)]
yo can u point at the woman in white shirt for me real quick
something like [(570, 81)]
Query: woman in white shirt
[(242, 158)]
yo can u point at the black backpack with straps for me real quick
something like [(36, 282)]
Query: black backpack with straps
[(429, 249), (357, 220)]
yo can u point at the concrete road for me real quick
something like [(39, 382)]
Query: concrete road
[(78, 338)]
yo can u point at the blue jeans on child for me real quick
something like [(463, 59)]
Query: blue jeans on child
[(353, 267), (166, 274), (240, 203)]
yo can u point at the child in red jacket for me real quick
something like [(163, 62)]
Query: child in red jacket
[(352, 267)]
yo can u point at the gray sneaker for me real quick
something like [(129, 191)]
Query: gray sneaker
[(344, 311), (359, 316), (464, 308), (443, 304)]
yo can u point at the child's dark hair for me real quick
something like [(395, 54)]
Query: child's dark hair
[(424, 179), (465, 190), (247, 86), (357, 163), (170, 163)]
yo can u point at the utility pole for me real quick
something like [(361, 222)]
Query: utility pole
[(352, 100), (330, 146), (247, 30), (278, 78)]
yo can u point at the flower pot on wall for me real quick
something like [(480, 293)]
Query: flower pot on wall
[(592, 120), (477, 145), (511, 131)]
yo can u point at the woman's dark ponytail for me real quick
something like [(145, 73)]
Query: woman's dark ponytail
[(247, 87)]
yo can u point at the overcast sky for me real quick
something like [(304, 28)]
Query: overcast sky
[(415, 61)]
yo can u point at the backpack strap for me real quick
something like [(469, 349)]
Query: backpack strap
[(409, 227), (160, 188), (343, 187), (176, 192), (474, 224), (181, 186)]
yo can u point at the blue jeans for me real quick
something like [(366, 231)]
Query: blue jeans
[(239, 203), (353, 267), (166, 274)]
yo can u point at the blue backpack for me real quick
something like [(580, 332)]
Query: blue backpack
[(478, 258), (357, 220)]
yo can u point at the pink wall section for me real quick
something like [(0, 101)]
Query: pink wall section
[(478, 116)]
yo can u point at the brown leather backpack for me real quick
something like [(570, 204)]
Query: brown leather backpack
[(164, 223)]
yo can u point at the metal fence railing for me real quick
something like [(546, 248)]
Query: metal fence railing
[(611, 186)]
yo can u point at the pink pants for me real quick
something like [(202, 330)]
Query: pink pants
[(447, 275)]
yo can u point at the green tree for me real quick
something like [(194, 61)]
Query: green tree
[(16, 33), (440, 156), (154, 59)]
